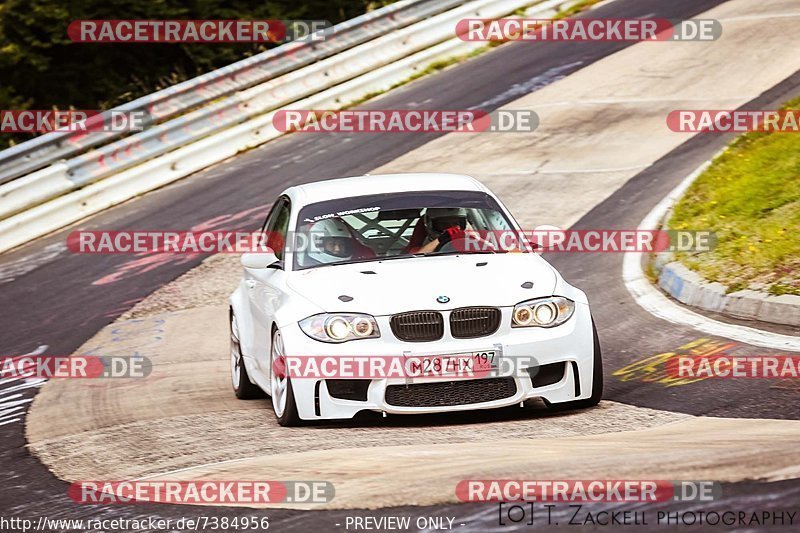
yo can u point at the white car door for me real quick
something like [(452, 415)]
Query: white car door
[(265, 286)]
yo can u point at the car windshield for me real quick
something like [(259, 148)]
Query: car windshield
[(390, 226)]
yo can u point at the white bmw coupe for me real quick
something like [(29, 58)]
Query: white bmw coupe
[(370, 269)]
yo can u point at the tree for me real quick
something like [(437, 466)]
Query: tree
[(40, 68)]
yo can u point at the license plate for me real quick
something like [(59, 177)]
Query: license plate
[(462, 364)]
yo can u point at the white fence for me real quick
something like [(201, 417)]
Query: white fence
[(227, 111)]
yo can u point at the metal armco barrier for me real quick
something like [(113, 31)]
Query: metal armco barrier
[(162, 105), (67, 191)]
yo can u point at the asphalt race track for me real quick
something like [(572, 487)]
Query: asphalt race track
[(59, 300)]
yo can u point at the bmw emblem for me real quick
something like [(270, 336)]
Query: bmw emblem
[(442, 299)]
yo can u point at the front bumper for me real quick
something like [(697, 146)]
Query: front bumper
[(571, 343)]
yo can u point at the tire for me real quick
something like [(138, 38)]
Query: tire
[(597, 382), (281, 392), (242, 386)]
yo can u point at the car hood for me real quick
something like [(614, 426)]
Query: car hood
[(415, 283)]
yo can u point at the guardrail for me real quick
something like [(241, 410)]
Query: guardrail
[(32, 155), (68, 191)]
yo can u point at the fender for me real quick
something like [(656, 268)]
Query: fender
[(563, 288)]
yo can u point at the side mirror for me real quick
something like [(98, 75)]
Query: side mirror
[(258, 260), (548, 236)]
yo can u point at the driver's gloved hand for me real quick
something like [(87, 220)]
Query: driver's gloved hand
[(451, 234)]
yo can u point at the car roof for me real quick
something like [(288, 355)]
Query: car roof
[(319, 191)]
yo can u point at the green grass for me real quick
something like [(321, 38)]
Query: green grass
[(750, 196)]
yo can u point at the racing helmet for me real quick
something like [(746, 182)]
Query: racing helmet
[(438, 219), (330, 241)]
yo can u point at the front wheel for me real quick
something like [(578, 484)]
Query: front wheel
[(280, 385), (597, 382)]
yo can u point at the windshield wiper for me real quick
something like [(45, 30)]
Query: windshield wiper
[(407, 255), (463, 252), (372, 259)]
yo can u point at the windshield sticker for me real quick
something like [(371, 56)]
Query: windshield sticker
[(343, 213)]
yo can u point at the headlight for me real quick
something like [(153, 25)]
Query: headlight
[(340, 327), (542, 312)]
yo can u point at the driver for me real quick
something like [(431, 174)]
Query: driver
[(330, 241), (443, 225)]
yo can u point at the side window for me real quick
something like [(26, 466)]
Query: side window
[(277, 225)]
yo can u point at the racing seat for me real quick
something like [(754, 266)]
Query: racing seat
[(417, 237), (360, 250)]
